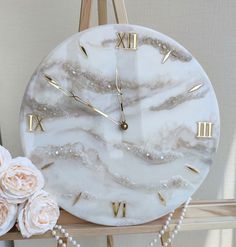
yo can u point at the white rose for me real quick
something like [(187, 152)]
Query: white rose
[(20, 180), (8, 213), (5, 157), (38, 215)]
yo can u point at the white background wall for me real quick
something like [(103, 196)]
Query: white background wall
[(30, 29)]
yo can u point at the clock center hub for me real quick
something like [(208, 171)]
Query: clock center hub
[(124, 126)]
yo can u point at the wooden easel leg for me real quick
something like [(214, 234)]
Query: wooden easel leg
[(110, 242), (85, 13), (165, 237), (120, 11), (102, 12), (0, 138)]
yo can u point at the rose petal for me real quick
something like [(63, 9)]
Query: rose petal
[(5, 157), (20, 180), (8, 214), (38, 215)]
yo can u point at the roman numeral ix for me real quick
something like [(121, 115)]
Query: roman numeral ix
[(35, 123)]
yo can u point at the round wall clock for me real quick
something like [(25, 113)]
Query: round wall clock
[(123, 122)]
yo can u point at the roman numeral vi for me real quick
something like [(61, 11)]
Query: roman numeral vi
[(119, 208)]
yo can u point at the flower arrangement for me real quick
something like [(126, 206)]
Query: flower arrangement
[(22, 198)]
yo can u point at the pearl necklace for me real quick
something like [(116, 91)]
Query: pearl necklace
[(63, 231), (166, 225), (60, 229)]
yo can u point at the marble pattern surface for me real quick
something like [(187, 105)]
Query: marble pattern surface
[(87, 161)]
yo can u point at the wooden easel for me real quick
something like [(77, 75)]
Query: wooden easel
[(85, 13), (201, 215)]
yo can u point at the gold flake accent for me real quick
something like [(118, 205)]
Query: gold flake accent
[(163, 47)]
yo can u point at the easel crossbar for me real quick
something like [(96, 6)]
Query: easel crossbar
[(201, 215)]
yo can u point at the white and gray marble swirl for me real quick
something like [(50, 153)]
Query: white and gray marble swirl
[(88, 162)]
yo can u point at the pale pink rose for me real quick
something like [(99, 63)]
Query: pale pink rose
[(38, 215), (20, 180), (8, 213), (5, 157)]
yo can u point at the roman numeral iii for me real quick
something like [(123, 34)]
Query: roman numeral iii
[(119, 209), (126, 41), (35, 123), (204, 129)]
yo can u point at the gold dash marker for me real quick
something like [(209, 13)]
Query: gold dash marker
[(83, 50), (166, 56), (77, 198), (192, 169), (195, 88), (161, 198), (47, 165)]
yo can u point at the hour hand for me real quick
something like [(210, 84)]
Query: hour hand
[(53, 82), (56, 84)]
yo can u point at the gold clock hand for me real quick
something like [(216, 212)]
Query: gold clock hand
[(55, 84), (123, 124)]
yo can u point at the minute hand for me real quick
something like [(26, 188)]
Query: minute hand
[(71, 94), (123, 124)]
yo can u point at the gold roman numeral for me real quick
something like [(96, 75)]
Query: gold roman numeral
[(127, 41), (117, 206), (204, 129), (35, 123)]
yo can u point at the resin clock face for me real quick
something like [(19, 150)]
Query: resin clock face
[(123, 122)]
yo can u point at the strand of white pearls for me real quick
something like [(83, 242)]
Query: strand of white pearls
[(166, 225), (152, 243), (65, 233)]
